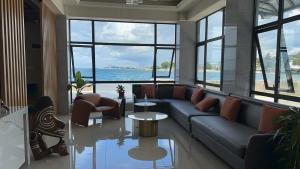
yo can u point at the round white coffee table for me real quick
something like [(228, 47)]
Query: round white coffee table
[(145, 105), (148, 122)]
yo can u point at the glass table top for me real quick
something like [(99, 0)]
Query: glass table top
[(145, 104), (148, 116)]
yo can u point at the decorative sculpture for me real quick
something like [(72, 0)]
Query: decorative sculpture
[(43, 122), (3, 107)]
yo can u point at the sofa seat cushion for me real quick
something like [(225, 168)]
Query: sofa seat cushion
[(149, 100), (187, 108), (104, 108), (232, 135)]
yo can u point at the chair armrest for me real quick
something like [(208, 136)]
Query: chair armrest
[(108, 102), (83, 104), (81, 112), (260, 153)]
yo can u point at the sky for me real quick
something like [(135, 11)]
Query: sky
[(120, 32)]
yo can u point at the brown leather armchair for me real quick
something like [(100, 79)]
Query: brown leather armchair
[(87, 103)]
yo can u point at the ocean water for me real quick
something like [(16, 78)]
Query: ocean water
[(123, 74), (146, 75)]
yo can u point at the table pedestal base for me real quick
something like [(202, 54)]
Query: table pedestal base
[(148, 128)]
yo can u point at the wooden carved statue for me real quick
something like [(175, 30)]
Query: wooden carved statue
[(43, 122), (3, 107)]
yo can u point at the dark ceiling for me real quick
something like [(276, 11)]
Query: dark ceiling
[(31, 11)]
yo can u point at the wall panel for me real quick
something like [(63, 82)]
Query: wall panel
[(50, 67), (12, 53)]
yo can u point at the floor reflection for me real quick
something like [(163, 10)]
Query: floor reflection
[(107, 146), (115, 144)]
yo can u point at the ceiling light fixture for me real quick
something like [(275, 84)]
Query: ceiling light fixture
[(134, 2)]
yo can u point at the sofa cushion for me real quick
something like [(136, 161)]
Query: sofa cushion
[(232, 135), (251, 109), (186, 108), (148, 90), (197, 95), (179, 92), (268, 115), (231, 108), (164, 91), (206, 104)]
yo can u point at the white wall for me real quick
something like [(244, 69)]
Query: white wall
[(185, 63), (62, 55)]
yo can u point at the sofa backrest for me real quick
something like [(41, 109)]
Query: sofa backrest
[(250, 112), (218, 95), (137, 90), (165, 91), (189, 92)]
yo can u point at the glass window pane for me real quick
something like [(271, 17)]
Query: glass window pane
[(215, 25), (165, 34), (122, 32), (267, 11), (289, 103), (200, 63), (124, 63), (213, 64), (83, 61), (164, 63), (264, 98), (202, 31), (291, 8), (259, 80), (109, 90), (268, 49), (81, 31), (290, 60)]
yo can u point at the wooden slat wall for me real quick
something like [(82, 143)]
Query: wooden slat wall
[(12, 53), (50, 66)]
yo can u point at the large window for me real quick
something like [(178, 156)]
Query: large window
[(210, 39), (122, 52), (277, 61)]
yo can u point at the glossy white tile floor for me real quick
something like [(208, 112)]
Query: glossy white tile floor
[(114, 144)]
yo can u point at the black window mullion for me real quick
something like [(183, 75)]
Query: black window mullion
[(205, 51), (223, 51), (93, 57), (155, 52), (278, 52)]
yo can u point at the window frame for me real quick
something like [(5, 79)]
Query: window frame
[(204, 43), (93, 45), (276, 25)]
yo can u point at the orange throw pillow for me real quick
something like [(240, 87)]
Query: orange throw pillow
[(149, 90), (268, 114), (179, 92), (206, 104), (197, 95), (230, 109)]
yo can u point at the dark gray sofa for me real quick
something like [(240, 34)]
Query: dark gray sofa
[(237, 143), (180, 110)]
